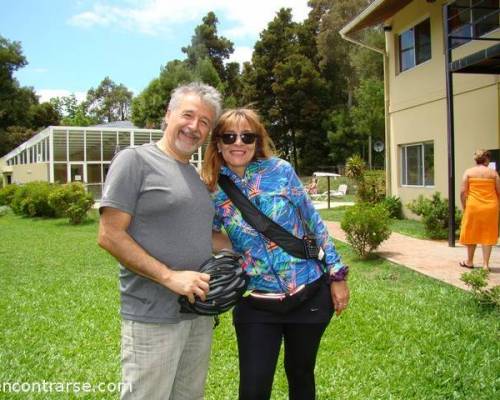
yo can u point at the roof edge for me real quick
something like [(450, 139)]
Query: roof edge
[(360, 17)]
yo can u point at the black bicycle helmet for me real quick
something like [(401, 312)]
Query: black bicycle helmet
[(227, 283)]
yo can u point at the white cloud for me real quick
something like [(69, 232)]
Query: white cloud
[(252, 17), (241, 54), (151, 16), (47, 94)]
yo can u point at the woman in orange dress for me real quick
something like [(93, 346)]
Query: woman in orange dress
[(479, 193)]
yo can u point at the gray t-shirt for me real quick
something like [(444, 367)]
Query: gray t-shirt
[(172, 216)]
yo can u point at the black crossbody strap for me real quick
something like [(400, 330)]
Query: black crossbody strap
[(261, 222)]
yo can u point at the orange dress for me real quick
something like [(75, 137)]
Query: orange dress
[(480, 220)]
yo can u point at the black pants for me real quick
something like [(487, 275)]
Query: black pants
[(259, 345)]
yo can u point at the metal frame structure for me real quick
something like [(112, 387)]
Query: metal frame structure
[(483, 62), (67, 153)]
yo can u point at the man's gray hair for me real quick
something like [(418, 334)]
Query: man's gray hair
[(207, 93)]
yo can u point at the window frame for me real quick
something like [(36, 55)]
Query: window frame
[(414, 45), (471, 25), (423, 168)]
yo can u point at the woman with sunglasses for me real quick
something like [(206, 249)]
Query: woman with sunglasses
[(241, 149)]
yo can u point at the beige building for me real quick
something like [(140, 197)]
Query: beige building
[(67, 154), (417, 137)]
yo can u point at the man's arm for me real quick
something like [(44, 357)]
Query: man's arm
[(114, 238)]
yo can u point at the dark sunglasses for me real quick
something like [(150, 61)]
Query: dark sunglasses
[(230, 137)]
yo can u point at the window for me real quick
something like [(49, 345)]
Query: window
[(472, 18), (109, 145), (93, 146), (60, 142), (415, 45), (76, 145), (417, 167)]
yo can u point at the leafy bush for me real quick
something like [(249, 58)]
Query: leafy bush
[(7, 193), (4, 210), (355, 167), (478, 281), (72, 201), (434, 213), (371, 187), (32, 200), (366, 226), (393, 206)]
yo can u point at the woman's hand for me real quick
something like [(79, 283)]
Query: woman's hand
[(340, 296)]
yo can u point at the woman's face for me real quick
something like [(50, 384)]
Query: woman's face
[(237, 146)]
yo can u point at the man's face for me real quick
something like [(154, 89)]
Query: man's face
[(188, 126)]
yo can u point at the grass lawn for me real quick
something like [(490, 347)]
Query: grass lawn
[(407, 227), (405, 336)]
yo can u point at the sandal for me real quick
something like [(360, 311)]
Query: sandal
[(464, 265)]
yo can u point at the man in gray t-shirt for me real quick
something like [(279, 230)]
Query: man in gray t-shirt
[(156, 218)]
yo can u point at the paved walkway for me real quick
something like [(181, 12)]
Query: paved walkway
[(432, 258)]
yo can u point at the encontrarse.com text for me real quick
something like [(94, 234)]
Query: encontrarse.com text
[(63, 387)]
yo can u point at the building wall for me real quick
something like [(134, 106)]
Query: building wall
[(30, 172), (417, 103)]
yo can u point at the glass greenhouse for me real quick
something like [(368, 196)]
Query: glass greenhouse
[(66, 154)]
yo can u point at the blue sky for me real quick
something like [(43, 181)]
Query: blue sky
[(71, 45)]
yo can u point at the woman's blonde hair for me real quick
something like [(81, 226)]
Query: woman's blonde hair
[(213, 160), (481, 156)]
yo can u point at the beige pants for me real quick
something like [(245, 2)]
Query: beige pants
[(165, 361)]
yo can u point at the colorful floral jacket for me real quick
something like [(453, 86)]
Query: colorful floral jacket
[(273, 186)]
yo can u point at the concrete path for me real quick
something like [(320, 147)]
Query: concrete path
[(432, 258)]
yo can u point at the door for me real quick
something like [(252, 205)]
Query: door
[(77, 172)]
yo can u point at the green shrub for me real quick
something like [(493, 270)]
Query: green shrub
[(366, 226), (4, 210), (393, 206), (371, 187), (72, 201), (478, 281), (434, 213), (32, 200), (355, 167), (7, 193)]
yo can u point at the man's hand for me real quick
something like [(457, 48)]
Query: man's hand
[(340, 296), (188, 283)]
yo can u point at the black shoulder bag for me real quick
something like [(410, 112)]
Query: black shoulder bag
[(305, 248)]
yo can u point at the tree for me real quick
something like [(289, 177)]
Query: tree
[(366, 63), (333, 51), (285, 84), (368, 113), (206, 43), (148, 108), (73, 113), (15, 101), (300, 96), (355, 74), (277, 42), (233, 86), (109, 101), (13, 136), (342, 138), (206, 72), (44, 114)]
